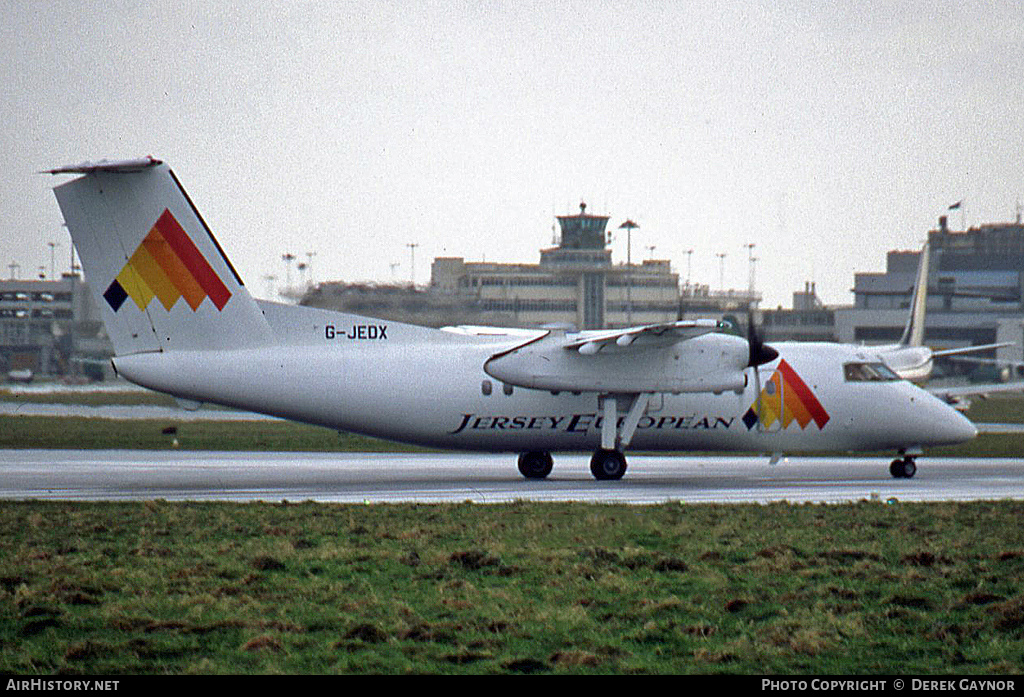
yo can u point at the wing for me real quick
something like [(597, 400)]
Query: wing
[(687, 356), (985, 427), (970, 349), (960, 396), (648, 335), (512, 332)]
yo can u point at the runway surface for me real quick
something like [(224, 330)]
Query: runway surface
[(99, 475)]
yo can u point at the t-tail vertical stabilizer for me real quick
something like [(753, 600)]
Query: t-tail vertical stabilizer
[(913, 333), (160, 278)]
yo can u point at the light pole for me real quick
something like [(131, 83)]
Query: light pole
[(412, 262), (629, 226), (721, 271), (288, 259), (753, 294), (53, 246), (74, 269), (309, 265), (750, 261)]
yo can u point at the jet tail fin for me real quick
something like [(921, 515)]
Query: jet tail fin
[(157, 272), (913, 333)]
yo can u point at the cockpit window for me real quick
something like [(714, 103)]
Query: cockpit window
[(869, 372)]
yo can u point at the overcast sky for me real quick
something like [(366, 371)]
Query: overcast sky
[(825, 133)]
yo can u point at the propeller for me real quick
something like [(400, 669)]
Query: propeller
[(760, 353)]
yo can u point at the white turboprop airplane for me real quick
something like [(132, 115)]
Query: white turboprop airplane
[(182, 322)]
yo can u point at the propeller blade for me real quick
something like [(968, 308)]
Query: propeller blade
[(760, 352), (757, 386)]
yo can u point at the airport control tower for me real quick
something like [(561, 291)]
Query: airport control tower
[(583, 254), (583, 231)]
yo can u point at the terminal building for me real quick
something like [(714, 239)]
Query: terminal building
[(52, 328), (975, 285), (808, 320), (575, 283)]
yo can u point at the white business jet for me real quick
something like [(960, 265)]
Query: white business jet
[(182, 322), (910, 358)]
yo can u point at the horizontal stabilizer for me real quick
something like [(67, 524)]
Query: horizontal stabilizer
[(119, 166), (952, 393)]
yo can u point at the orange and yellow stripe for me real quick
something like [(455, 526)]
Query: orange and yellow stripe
[(786, 398), (167, 265)]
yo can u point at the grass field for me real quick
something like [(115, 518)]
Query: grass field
[(162, 434), (128, 588)]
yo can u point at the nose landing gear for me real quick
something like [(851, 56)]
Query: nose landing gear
[(903, 468)]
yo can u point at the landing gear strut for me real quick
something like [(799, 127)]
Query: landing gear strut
[(535, 464), (608, 461), (903, 468)]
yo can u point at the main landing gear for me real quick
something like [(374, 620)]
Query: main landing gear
[(605, 464), (608, 464), (608, 461), (535, 464), (903, 467)]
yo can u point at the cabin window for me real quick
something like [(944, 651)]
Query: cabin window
[(869, 372), (507, 388), (486, 388)]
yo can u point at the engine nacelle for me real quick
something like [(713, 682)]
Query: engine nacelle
[(707, 363)]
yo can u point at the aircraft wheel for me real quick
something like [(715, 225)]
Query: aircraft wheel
[(535, 464), (903, 468), (608, 464), (909, 467)]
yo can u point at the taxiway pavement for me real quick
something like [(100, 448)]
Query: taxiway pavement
[(100, 475)]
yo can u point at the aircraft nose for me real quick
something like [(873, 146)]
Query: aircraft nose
[(952, 426), (964, 429)]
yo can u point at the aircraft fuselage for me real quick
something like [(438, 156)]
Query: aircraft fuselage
[(429, 387)]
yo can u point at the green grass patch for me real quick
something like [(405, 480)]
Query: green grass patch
[(62, 432), (154, 587), (92, 398), (997, 409)]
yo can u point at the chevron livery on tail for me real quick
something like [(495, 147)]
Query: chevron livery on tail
[(168, 266)]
